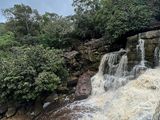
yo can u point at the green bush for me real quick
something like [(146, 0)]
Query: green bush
[(31, 72), (121, 16), (112, 18), (55, 32), (7, 40), (2, 29)]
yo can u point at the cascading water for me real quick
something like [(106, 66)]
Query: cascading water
[(135, 101), (98, 79), (114, 76), (156, 56), (140, 49)]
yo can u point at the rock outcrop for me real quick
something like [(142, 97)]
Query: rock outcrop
[(84, 88), (151, 42), (86, 57)]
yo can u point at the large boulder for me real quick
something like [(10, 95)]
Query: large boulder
[(84, 88)]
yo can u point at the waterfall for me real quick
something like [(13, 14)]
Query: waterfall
[(141, 66), (133, 101), (112, 72), (98, 79), (122, 67), (113, 69), (140, 48), (156, 56)]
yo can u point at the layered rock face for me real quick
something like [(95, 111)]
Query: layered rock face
[(151, 42), (85, 58)]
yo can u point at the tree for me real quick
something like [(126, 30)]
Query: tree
[(55, 31), (111, 18), (22, 20), (7, 40), (86, 26), (31, 72), (121, 16), (2, 29)]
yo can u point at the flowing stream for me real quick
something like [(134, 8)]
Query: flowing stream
[(114, 95)]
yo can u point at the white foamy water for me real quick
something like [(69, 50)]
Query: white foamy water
[(141, 50), (137, 100), (112, 72), (156, 56)]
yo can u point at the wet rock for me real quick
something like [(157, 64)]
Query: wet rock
[(84, 88), (51, 98), (70, 55), (72, 81), (150, 34), (11, 112), (151, 41)]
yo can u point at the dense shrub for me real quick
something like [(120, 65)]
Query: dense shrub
[(55, 31), (30, 72), (120, 16), (7, 40), (112, 18), (2, 29)]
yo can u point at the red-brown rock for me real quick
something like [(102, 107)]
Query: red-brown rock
[(84, 88)]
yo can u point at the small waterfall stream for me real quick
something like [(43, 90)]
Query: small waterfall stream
[(141, 66), (140, 49), (156, 56)]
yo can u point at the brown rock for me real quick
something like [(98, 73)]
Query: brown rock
[(84, 88), (150, 34), (11, 112), (70, 55)]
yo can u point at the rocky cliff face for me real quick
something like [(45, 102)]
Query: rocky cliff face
[(85, 58), (151, 42)]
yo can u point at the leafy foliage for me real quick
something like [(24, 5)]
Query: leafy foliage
[(55, 31), (121, 16), (7, 40), (2, 29), (112, 18), (30, 72), (85, 23), (22, 20)]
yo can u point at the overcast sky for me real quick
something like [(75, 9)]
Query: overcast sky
[(61, 7)]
